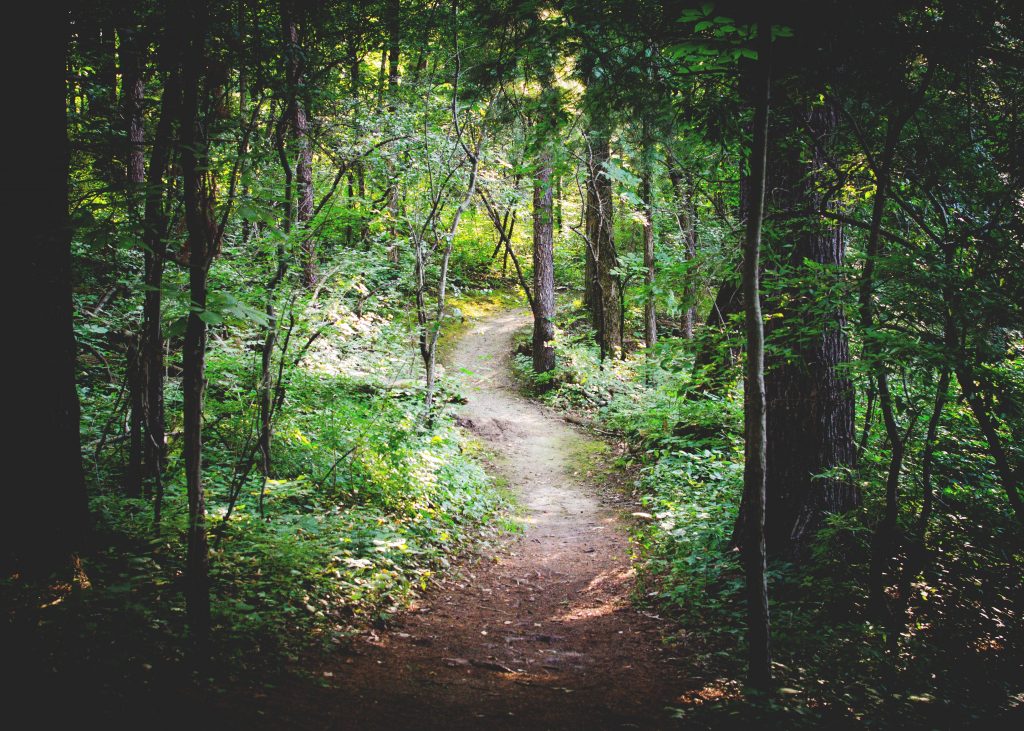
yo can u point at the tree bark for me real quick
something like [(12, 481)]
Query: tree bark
[(759, 669), (686, 219), (543, 267), (46, 517), (650, 309), (150, 362), (132, 89), (266, 386), (391, 194), (605, 303), (202, 231), (394, 23), (809, 396), (135, 174), (298, 123)]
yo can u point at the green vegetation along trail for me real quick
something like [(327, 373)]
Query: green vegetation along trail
[(539, 635)]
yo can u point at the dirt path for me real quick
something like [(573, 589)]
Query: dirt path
[(539, 636)]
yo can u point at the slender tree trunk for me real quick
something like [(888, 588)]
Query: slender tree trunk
[(135, 175), (298, 123), (154, 240), (381, 76), (202, 231), (266, 387), (355, 82), (558, 203), (391, 194), (543, 267), (927, 461), (504, 227), (591, 227), (885, 536), (605, 302), (686, 219), (646, 194), (759, 670), (394, 25), (132, 89), (136, 425), (430, 327)]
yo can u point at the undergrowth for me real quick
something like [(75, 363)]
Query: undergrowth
[(956, 664), (365, 506)]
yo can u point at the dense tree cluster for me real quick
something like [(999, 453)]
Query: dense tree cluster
[(829, 193)]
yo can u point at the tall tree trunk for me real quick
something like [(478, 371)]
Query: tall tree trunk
[(151, 361), (809, 395), (391, 194), (135, 174), (298, 123), (394, 26), (202, 232), (132, 89), (591, 219), (46, 518), (646, 194), (755, 464), (266, 387), (355, 82), (136, 422), (605, 302), (543, 266), (686, 219)]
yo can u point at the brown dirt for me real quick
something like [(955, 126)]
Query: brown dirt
[(540, 634)]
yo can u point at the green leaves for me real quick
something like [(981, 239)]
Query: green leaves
[(226, 306)]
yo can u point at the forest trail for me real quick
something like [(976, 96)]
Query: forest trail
[(541, 635)]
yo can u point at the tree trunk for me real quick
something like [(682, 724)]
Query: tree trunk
[(136, 424), (394, 23), (809, 396), (266, 386), (355, 82), (47, 517), (591, 289), (605, 304), (543, 267), (151, 360), (135, 174), (298, 124), (202, 231), (132, 89), (646, 194), (686, 219), (391, 195), (755, 463)]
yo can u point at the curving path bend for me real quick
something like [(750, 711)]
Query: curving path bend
[(540, 635)]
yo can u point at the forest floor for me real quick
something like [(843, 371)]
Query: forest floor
[(537, 633)]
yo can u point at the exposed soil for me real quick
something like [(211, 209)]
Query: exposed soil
[(539, 635)]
